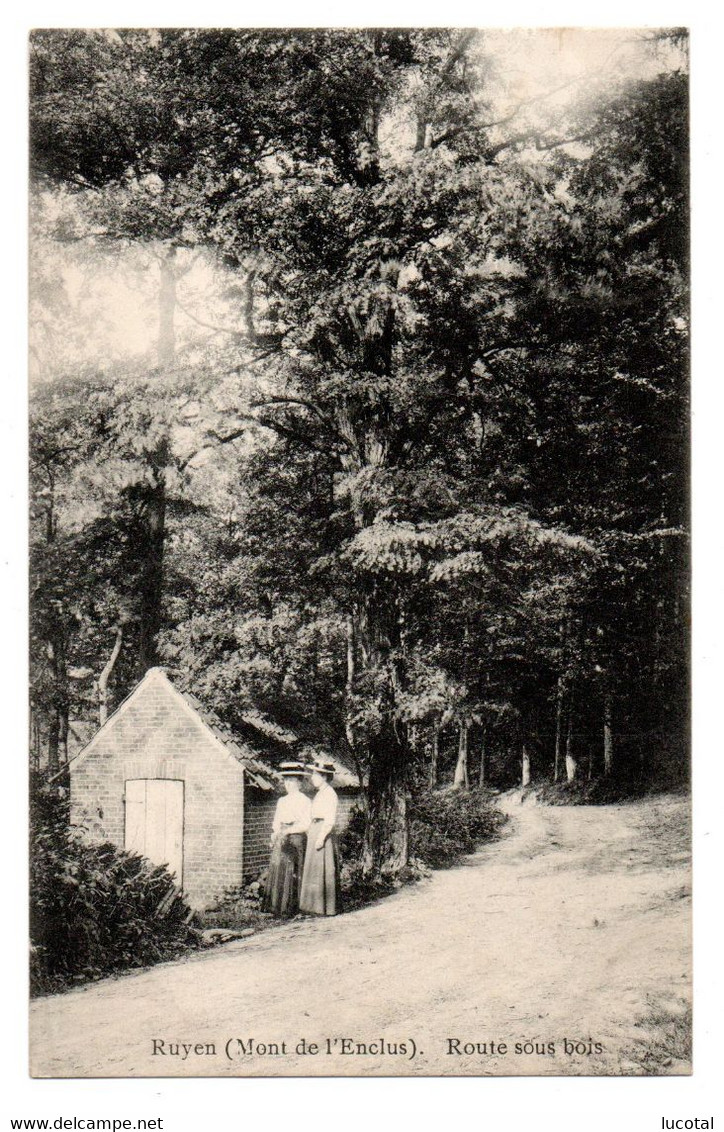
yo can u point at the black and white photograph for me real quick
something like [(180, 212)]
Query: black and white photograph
[(359, 589)]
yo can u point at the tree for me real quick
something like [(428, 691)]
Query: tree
[(413, 479), (124, 123)]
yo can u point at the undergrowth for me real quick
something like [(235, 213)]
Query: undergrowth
[(665, 1044), (95, 909)]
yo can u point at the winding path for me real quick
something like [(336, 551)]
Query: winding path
[(570, 929)]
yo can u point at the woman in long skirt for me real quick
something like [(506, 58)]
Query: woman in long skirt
[(288, 844), (320, 894)]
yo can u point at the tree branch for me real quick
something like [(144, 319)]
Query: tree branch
[(208, 325), (292, 401), (273, 425), (219, 438), (270, 402), (290, 434), (540, 144)]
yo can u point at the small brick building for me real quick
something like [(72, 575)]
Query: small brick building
[(166, 778)]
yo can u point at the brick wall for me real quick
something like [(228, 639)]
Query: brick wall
[(258, 818), (155, 735), (227, 821)]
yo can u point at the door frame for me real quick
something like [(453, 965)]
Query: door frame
[(178, 880)]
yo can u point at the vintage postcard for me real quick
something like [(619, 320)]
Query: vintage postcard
[(359, 549)]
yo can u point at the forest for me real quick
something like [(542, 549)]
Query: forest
[(359, 396)]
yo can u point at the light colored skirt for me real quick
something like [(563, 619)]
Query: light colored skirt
[(285, 871), (320, 894)]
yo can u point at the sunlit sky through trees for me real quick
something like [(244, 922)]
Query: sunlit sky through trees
[(535, 78)]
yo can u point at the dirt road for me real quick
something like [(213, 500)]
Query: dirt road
[(538, 955)]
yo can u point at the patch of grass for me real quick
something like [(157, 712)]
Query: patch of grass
[(237, 909), (668, 826), (599, 791), (665, 1043), (584, 792)]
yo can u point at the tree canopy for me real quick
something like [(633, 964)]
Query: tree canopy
[(403, 461)]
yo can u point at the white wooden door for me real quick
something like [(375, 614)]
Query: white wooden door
[(155, 821)]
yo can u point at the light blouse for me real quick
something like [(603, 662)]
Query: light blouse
[(324, 813), (292, 814)]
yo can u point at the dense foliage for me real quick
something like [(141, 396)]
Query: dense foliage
[(405, 465), (94, 909), (445, 825)]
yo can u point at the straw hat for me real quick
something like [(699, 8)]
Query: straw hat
[(292, 770), (319, 767)]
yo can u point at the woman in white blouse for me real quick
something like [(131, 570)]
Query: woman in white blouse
[(291, 822), (320, 879)]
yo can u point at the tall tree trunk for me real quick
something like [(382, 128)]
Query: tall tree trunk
[(151, 582), (350, 734), (385, 850), (420, 132), (63, 712), (53, 741), (58, 734), (435, 754), (525, 766), (54, 652), (461, 778), (58, 724), (559, 730), (571, 765), (482, 773), (154, 497), (607, 734), (349, 686), (105, 676), (35, 740), (50, 521)]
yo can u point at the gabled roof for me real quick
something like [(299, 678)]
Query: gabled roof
[(258, 732), (279, 742), (259, 773)]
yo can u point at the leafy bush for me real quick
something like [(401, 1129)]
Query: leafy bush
[(588, 792), (444, 826), (447, 824), (359, 890), (95, 909), (352, 837)]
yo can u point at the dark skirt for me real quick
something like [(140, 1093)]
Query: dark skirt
[(320, 895), (285, 870)]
